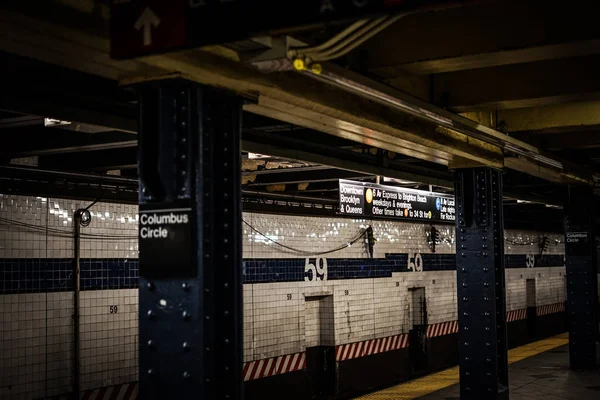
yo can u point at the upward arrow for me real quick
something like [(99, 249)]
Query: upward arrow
[(146, 21)]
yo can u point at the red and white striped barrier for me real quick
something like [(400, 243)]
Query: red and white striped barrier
[(516, 315), (550, 309), (126, 391), (274, 366), (370, 347), (441, 329)]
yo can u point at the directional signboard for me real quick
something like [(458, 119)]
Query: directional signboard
[(371, 200), (141, 27)]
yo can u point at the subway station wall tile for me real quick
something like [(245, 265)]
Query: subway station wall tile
[(351, 297)]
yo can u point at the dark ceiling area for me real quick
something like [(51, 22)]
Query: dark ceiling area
[(535, 83)]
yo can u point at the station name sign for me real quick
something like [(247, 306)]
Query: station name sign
[(165, 241), (372, 200), (578, 243)]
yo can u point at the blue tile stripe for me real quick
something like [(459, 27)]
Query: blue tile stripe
[(29, 275)]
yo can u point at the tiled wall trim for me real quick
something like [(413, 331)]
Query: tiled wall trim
[(34, 275)]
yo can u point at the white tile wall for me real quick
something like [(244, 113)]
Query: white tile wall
[(248, 307), (36, 344), (549, 286), (310, 234), (317, 234), (319, 321), (312, 323), (109, 337), (327, 321), (36, 330), (114, 227), (354, 311), (527, 242), (277, 319)]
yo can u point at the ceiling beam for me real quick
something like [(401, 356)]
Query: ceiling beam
[(556, 118), (76, 31), (284, 170), (330, 175), (312, 152), (47, 90), (101, 160), (369, 122), (520, 85), (573, 140), (41, 141), (492, 59), (476, 36)]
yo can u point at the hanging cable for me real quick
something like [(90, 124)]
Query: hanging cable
[(304, 252), (62, 232), (92, 204)]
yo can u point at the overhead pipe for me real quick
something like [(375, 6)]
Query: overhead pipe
[(341, 44), (291, 197), (334, 40), (26, 172), (438, 116)]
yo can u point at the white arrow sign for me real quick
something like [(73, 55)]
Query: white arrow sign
[(146, 21)]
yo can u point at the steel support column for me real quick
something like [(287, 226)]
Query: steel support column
[(480, 285), (582, 278), (190, 242)]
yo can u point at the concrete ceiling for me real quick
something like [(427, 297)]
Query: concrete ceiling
[(524, 69)]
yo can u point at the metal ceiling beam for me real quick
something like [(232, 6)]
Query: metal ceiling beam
[(548, 82), (46, 90), (17, 122), (475, 37), (346, 130), (375, 123), (330, 175), (31, 173), (491, 59), (284, 170), (121, 144), (34, 181), (530, 157), (587, 139), (548, 119), (297, 149), (80, 48), (77, 39), (41, 141), (100, 160)]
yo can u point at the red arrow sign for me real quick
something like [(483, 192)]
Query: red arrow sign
[(141, 27)]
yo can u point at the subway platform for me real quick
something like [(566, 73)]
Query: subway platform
[(538, 370)]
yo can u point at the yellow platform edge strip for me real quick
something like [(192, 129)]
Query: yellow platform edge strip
[(440, 380)]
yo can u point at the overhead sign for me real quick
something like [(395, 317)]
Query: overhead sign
[(372, 200), (141, 27), (165, 241)]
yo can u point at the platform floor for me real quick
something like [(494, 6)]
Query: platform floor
[(537, 370)]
